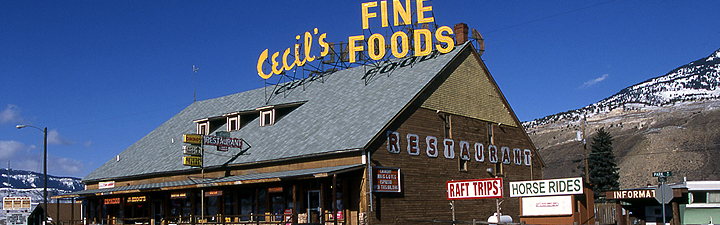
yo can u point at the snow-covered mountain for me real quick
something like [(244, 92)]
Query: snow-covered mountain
[(697, 80), (17, 183), (666, 123)]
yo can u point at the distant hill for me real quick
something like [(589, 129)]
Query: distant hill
[(21, 183), (667, 123)]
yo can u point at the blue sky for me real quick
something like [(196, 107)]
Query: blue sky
[(102, 74)]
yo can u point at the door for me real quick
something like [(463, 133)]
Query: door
[(157, 211), (314, 209)]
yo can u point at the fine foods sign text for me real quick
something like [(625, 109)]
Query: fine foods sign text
[(373, 45)]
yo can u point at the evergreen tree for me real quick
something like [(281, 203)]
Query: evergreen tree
[(601, 163)]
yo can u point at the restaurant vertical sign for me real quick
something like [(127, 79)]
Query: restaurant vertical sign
[(386, 179)]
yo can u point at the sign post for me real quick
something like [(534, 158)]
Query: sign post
[(666, 193)]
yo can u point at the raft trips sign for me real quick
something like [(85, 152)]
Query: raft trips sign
[(402, 14)]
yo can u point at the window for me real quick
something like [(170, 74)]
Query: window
[(704, 197), (232, 123), (463, 164), (267, 117), (713, 197), (698, 197), (448, 131), (491, 141), (202, 128)]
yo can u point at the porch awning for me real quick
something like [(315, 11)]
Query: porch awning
[(222, 181)]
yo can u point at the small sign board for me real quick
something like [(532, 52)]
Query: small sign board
[(662, 174), (547, 206), (473, 189), (193, 138), (111, 201), (17, 219), (386, 179), (16, 203), (178, 195), (106, 184), (195, 150), (135, 199), (192, 161)]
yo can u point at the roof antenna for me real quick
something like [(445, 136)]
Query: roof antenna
[(195, 69)]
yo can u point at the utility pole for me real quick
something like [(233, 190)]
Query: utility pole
[(587, 166), (195, 69)]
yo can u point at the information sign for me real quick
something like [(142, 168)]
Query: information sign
[(472, 189)]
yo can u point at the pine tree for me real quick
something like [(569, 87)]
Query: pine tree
[(601, 163)]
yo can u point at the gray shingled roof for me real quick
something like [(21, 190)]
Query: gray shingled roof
[(341, 113)]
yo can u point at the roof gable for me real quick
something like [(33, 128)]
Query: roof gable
[(470, 91)]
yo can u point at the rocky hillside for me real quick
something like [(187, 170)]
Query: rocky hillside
[(667, 123)]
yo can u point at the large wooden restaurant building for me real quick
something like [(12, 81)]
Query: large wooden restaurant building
[(373, 144)]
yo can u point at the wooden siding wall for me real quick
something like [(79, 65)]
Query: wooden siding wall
[(424, 178)]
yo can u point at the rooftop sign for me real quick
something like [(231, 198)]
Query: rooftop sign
[(374, 46)]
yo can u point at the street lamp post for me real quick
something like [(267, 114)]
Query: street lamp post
[(45, 208)]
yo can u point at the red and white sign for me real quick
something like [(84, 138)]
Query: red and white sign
[(106, 184), (472, 189), (546, 206)]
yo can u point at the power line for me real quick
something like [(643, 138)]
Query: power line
[(548, 17)]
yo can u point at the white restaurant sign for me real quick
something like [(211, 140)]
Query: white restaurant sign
[(450, 149), (532, 188), (472, 189)]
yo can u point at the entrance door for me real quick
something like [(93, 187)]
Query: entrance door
[(157, 211), (314, 209)]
